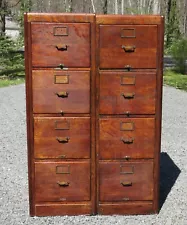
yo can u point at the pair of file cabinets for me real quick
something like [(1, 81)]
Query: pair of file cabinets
[(93, 93)]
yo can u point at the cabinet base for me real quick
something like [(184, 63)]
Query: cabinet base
[(129, 208), (62, 209)]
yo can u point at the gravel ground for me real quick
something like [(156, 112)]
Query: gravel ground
[(13, 164)]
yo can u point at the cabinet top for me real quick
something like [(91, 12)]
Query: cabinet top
[(100, 19)]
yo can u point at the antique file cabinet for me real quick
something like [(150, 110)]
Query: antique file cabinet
[(94, 90), (60, 83)]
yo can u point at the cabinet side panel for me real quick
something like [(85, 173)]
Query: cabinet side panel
[(29, 116), (158, 115), (93, 117)]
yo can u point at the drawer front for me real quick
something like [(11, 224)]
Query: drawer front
[(128, 45), (67, 181), (61, 137), (127, 138), (127, 92), (61, 91), (60, 43), (131, 181)]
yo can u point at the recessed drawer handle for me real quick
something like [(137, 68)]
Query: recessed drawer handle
[(62, 94), (128, 95), (127, 140), (62, 47), (128, 48), (63, 139), (126, 184), (63, 184)]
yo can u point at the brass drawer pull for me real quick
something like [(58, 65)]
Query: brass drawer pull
[(63, 139), (63, 184), (127, 140), (128, 48), (62, 94), (62, 47), (126, 184), (128, 95)]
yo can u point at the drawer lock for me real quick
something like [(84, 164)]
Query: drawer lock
[(62, 94), (63, 139), (63, 184)]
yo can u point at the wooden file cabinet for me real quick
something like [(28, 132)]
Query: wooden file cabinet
[(94, 87)]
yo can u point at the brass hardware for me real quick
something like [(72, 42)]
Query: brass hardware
[(128, 80), (126, 184), (128, 48), (128, 67), (62, 94), (61, 112), (62, 139), (128, 33), (61, 66), (62, 156), (128, 95), (127, 140), (62, 124), (62, 47), (127, 113), (126, 126), (60, 31), (127, 157), (63, 184), (61, 79), (63, 169), (125, 169)]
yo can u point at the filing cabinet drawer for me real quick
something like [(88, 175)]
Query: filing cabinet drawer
[(126, 138), (60, 43), (127, 92), (57, 181), (61, 91), (56, 137), (128, 45), (121, 181)]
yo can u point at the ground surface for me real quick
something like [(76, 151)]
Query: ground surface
[(13, 164)]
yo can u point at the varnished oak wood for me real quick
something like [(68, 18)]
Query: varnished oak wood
[(75, 176), (129, 208), (63, 209), (113, 107), (116, 132), (87, 69), (45, 42), (48, 132), (46, 88), (102, 101), (114, 86), (112, 46), (125, 181)]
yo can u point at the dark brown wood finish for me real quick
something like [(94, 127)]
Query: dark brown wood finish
[(158, 124), (128, 45), (62, 181), (124, 138), (121, 181), (56, 137), (57, 91), (94, 92), (60, 43), (60, 94), (133, 92), (128, 96)]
